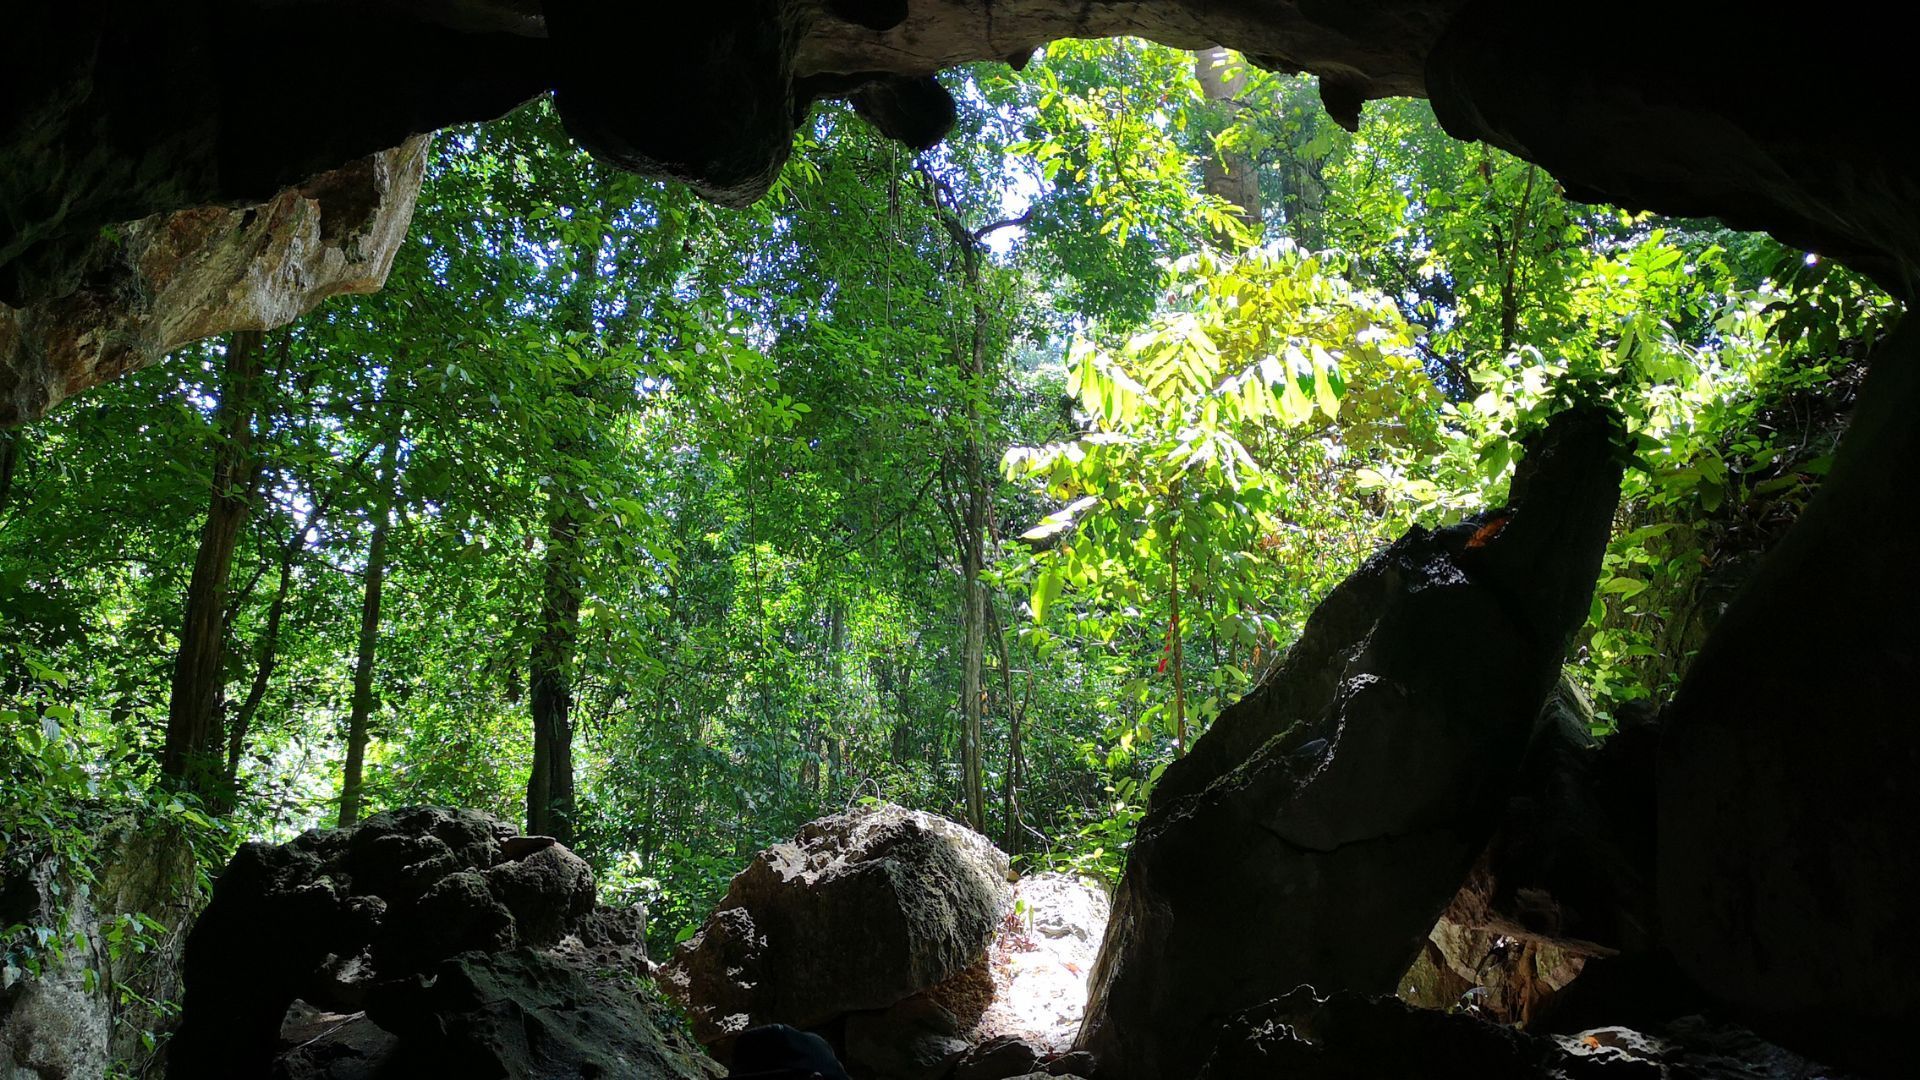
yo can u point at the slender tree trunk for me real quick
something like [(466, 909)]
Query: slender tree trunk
[(1228, 175), (550, 787), (974, 659), (1179, 658), (1509, 284), (550, 669), (9, 457), (836, 690), (1014, 781), (267, 652), (974, 529), (188, 756), (974, 494), (363, 664), (265, 660)]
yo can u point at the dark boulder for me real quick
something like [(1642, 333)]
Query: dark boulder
[(335, 912), (1342, 803), (524, 1013), (1348, 1036), (997, 1059), (1566, 879), (862, 910), (320, 1045)]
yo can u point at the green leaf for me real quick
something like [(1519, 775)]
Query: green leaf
[(1323, 393), (1045, 589)]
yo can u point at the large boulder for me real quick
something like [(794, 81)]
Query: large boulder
[(1789, 767), (1337, 808), (859, 912), (335, 912)]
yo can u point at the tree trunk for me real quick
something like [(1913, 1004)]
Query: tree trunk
[(1228, 175), (1179, 656), (974, 529), (267, 653), (188, 756), (1015, 779), (1509, 284), (266, 659), (350, 784), (9, 456), (550, 787), (974, 656)]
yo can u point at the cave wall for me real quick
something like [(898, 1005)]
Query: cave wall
[(1789, 775)]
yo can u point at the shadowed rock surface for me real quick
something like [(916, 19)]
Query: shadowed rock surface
[(1348, 1036), (1345, 799), (1789, 768), (859, 912), (332, 914), (524, 1013)]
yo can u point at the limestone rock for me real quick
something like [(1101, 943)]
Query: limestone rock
[(1788, 809), (155, 284), (332, 915), (1341, 804), (525, 1013), (113, 110), (913, 1040), (860, 911), (91, 1007), (1041, 959), (1073, 1063), (997, 1059), (331, 1046), (1347, 1036)]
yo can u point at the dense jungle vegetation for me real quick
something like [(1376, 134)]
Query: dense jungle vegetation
[(978, 481)]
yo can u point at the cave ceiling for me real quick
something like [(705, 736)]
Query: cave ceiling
[(1787, 119)]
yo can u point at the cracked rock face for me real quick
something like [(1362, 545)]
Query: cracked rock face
[(1347, 797), (166, 280)]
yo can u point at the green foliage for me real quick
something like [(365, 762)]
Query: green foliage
[(73, 779), (1216, 441), (764, 431)]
